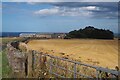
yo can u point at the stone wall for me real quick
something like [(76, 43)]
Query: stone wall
[(16, 61), (26, 64)]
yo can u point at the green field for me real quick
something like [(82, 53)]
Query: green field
[(6, 69)]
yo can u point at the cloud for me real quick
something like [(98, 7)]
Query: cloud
[(60, 1), (93, 9), (86, 9), (64, 11), (51, 11)]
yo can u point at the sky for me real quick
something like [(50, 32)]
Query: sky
[(58, 16), (60, 0)]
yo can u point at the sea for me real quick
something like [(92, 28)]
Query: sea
[(16, 34), (12, 34)]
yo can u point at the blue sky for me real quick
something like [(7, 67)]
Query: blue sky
[(58, 16)]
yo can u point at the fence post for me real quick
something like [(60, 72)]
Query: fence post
[(33, 58), (97, 74), (50, 65), (75, 70), (30, 63)]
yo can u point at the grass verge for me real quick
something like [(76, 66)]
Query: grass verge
[(6, 69)]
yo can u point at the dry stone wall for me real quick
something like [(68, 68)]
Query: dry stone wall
[(16, 61), (26, 63)]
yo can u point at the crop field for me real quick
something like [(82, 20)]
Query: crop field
[(102, 53)]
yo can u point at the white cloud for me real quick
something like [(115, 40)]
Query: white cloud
[(60, 1), (48, 11), (30, 0), (65, 11), (32, 3), (41, 0), (91, 8)]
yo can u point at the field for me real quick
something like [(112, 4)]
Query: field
[(5, 69), (102, 53)]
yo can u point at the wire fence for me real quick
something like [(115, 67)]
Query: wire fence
[(41, 65), (65, 68)]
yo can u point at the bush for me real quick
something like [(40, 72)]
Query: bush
[(90, 32)]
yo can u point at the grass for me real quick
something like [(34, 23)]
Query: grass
[(0, 64), (4, 41), (68, 66), (6, 69)]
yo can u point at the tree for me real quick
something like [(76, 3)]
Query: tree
[(90, 32)]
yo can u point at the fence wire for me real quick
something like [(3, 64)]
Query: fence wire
[(65, 68)]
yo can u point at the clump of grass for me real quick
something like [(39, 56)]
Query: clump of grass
[(62, 53), (6, 69)]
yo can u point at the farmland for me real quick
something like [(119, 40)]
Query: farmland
[(102, 53)]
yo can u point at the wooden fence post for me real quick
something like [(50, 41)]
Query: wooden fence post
[(50, 70), (75, 70), (30, 63), (97, 74)]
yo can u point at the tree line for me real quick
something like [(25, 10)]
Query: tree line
[(90, 32)]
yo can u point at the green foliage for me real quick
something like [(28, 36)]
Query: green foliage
[(90, 32), (6, 69)]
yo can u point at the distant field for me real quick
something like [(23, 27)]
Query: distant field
[(7, 39), (96, 52)]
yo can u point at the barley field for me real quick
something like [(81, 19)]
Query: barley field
[(102, 53)]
